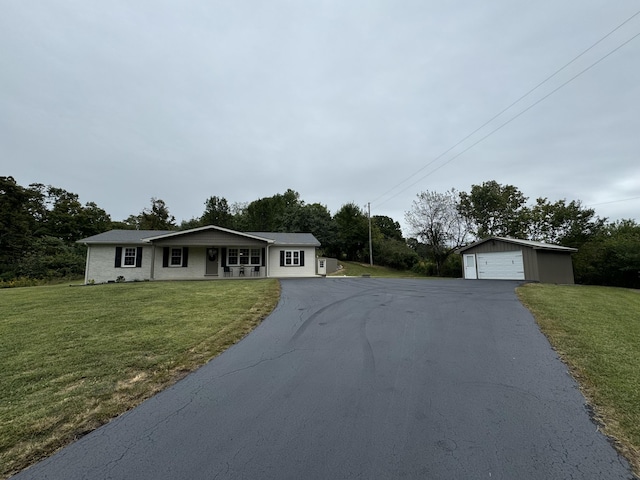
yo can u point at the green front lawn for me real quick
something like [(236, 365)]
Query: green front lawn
[(596, 330), (73, 358)]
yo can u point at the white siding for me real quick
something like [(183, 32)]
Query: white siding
[(101, 265), (195, 269), (500, 266), (275, 270)]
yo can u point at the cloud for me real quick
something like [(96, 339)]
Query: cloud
[(340, 101)]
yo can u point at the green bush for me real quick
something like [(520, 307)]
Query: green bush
[(452, 267), (395, 254)]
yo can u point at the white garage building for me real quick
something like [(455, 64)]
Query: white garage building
[(499, 258)]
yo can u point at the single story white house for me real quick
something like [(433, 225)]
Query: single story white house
[(201, 253)]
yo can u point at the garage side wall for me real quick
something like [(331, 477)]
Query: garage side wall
[(555, 267), (529, 256)]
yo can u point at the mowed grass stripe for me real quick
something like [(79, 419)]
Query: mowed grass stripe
[(73, 358), (596, 330)]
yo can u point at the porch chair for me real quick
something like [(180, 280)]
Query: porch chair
[(227, 271), (256, 271)]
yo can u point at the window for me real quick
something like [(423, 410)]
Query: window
[(129, 257), (291, 258), (244, 256), (176, 257), (233, 256)]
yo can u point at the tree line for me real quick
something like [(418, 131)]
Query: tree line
[(39, 227)]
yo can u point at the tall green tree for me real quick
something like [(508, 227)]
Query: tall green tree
[(313, 218), (17, 224), (611, 257), (217, 212), (387, 226), (156, 217), (67, 219), (268, 214), (352, 236), (495, 209), (568, 224)]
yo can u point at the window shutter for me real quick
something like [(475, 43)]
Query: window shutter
[(282, 258), (264, 253), (139, 257), (224, 256), (165, 257), (118, 262), (302, 258), (185, 256)]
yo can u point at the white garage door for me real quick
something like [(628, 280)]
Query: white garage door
[(500, 266)]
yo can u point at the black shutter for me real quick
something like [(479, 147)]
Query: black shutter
[(118, 257), (264, 252), (224, 256), (302, 258), (282, 258), (165, 257), (139, 257), (185, 256)]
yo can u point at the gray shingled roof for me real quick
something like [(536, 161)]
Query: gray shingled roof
[(123, 236), (281, 238), (132, 237)]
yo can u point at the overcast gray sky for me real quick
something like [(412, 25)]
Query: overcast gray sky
[(121, 101)]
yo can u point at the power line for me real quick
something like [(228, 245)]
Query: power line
[(613, 201), (512, 118), (505, 109)]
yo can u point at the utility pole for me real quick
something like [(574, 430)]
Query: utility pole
[(370, 246)]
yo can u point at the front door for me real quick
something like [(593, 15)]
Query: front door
[(212, 261), (470, 271)]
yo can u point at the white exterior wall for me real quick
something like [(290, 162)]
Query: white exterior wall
[(275, 270), (195, 269), (101, 261)]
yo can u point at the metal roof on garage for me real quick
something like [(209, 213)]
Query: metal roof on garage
[(525, 243)]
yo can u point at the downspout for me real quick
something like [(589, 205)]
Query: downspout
[(266, 261)]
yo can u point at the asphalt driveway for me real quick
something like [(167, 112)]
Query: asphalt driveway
[(369, 379)]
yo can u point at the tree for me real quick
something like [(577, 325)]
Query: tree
[(67, 219), (314, 218), (268, 214), (611, 257), (568, 224), (435, 220), (18, 206), (387, 226), (217, 212), (494, 209), (352, 235), (155, 218)]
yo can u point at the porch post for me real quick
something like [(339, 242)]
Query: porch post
[(153, 262)]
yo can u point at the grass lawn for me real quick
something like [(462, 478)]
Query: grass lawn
[(354, 269), (73, 358), (596, 330)]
